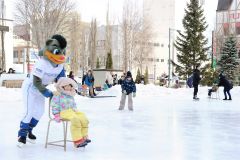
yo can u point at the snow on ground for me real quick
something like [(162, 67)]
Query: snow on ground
[(166, 125)]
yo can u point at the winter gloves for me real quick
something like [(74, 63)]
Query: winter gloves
[(125, 92)]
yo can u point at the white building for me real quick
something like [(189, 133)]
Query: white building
[(166, 17), (6, 14), (116, 47)]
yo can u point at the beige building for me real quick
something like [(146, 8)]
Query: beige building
[(162, 15)]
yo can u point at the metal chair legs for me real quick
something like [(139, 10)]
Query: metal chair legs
[(54, 143)]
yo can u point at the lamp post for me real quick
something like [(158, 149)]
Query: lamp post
[(169, 54)]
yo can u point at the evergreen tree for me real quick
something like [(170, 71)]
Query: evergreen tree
[(191, 44), (228, 61), (209, 76), (138, 77), (109, 62), (146, 76), (98, 63)]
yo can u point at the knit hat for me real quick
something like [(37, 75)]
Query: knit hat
[(129, 74), (63, 81)]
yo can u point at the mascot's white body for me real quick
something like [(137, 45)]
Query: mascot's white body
[(48, 69), (34, 100)]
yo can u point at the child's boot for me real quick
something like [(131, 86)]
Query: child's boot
[(87, 140), (80, 143)]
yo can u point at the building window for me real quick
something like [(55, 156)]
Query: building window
[(157, 60), (226, 28), (156, 44), (15, 54), (237, 26), (150, 59), (162, 60), (162, 45)]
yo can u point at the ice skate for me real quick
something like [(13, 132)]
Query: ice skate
[(21, 142), (195, 98), (80, 143), (31, 138), (88, 140)]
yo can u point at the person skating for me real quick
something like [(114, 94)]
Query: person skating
[(129, 90), (227, 86), (196, 80), (47, 70), (64, 107), (89, 81)]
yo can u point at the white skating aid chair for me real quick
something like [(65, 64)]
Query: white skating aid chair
[(215, 94), (65, 129)]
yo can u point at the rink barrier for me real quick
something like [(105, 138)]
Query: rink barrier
[(12, 83)]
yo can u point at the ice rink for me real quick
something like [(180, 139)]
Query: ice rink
[(166, 124)]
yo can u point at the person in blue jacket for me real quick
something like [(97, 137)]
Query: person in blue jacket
[(89, 81), (129, 90)]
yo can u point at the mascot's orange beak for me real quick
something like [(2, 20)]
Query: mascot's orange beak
[(57, 59)]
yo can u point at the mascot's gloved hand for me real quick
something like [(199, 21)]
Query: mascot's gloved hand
[(47, 93), (56, 93), (124, 92), (57, 118), (134, 94)]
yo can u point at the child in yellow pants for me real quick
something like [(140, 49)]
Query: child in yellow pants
[(64, 107)]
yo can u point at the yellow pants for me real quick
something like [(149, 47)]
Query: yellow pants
[(79, 123)]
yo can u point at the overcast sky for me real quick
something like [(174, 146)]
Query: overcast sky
[(97, 8)]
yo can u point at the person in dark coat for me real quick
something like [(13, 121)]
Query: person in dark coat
[(128, 90), (227, 86), (83, 78), (196, 80), (120, 81)]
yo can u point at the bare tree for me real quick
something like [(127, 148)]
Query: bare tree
[(131, 24), (92, 43), (108, 36), (84, 47), (144, 45), (75, 34), (45, 17)]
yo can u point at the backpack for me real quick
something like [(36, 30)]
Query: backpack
[(190, 81)]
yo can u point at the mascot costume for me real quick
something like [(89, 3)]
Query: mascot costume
[(47, 70)]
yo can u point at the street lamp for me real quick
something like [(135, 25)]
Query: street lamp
[(169, 54)]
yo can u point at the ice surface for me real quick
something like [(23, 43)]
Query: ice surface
[(166, 124)]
